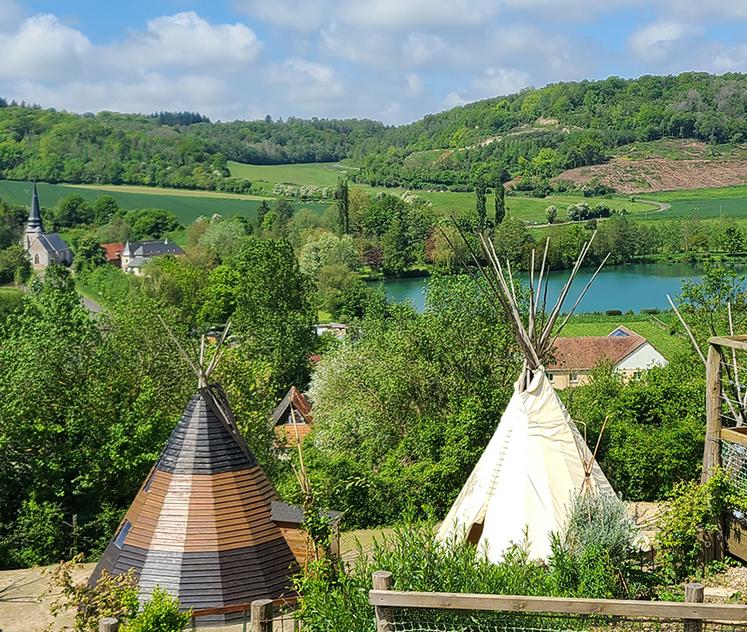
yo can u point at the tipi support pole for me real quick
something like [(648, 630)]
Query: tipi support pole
[(712, 449), (382, 580), (262, 615), (694, 593), (109, 624)]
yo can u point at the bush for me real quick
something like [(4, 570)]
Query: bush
[(613, 312), (159, 614), (693, 509)]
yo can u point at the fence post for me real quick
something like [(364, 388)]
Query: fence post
[(108, 624), (382, 580), (712, 449), (262, 615), (694, 593)]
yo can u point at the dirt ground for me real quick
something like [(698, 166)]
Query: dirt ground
[(660, 174)]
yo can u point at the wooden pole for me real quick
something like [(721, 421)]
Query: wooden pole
[(382, 580), (109, 624), (694, 593), (711, 450), (262, 615)]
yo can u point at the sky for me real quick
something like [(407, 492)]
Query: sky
[(389, 60)]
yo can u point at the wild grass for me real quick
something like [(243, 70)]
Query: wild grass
[(318, 173)]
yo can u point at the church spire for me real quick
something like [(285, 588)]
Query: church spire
[(35, 219)]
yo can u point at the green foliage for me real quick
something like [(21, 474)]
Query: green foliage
[(105, 209), (113, 596), (655, 426), (14, 264), (404, 408), (274, 317), (159, 614), (335, 598), (150, 223), (85, 407), (500, 201), (71, 211), (88, 253), (12, 219)]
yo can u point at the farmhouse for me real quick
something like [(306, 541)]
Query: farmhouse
[(292, 417), (136, 254), (113, 253), (574, 358), (43, 248)]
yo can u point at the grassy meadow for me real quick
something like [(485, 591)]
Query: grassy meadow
[(187, 205), (318, 173), (655, 328)]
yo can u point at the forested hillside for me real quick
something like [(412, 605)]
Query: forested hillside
[(535, 135), (160, 150)]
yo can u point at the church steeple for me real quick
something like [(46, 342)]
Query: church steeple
[(35, 219)]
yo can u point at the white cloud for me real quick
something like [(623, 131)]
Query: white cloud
[(299, 15), (307, 81), (656, 41), (454, 99), (187, 40), (420, 13), (11, 13), (149, 93), (414, 84), (500, 81), (43, 48)]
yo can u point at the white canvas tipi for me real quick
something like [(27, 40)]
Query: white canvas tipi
[(537, 461)]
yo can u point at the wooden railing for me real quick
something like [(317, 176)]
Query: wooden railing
[(692, 614)]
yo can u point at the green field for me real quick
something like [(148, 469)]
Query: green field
[(704, 203), (654, 328), (187, 205), (526, 208), (318, 173)]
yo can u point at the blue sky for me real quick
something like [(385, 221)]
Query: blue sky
[(391, 60)]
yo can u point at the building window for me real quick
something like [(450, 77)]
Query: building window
[(573, 378), (551, 377), (122, 534), (36, 259)]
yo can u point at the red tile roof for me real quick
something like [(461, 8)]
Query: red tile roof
[(113, 250), (586, 352)]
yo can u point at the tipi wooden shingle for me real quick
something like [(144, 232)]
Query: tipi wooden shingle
[(201, 526)]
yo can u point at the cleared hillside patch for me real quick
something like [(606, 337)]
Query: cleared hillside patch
[(659, 174)]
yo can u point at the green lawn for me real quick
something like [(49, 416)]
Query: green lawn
[(525, 208), (650, 327), (187, 205), (318, 173), (10, 300)]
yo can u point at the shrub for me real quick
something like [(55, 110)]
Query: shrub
[(112, 596), (693, 508), (159, 614)]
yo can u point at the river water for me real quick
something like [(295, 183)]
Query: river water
[(627, 288)]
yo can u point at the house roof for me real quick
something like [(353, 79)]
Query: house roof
[(137, 262), (113, 250), (283, 512), (154, 248), (52, 242), (586, 352), (300, 404)]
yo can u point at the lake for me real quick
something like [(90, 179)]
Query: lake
[(627, 288)]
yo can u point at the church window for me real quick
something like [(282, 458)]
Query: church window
[(36, 259)]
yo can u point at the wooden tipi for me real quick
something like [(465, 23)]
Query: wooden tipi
[(537, 461), (200, 526)]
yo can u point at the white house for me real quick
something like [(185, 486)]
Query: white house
[(575, 357), (136, 254)]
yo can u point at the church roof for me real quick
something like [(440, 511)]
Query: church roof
[(35, 219), (53, 243), (200, 526)]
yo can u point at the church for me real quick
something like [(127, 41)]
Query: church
[(43, 248)]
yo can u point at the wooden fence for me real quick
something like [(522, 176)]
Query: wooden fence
[(394, 611)]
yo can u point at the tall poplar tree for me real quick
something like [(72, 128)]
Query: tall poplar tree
[(500, 201), (343, 205), (480, 203)]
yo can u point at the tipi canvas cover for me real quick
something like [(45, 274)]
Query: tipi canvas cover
[(533, 466)]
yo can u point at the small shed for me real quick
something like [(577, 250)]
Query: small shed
[(292, 418), (289, 519)]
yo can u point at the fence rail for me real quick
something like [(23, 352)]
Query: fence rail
[(398, 611)]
